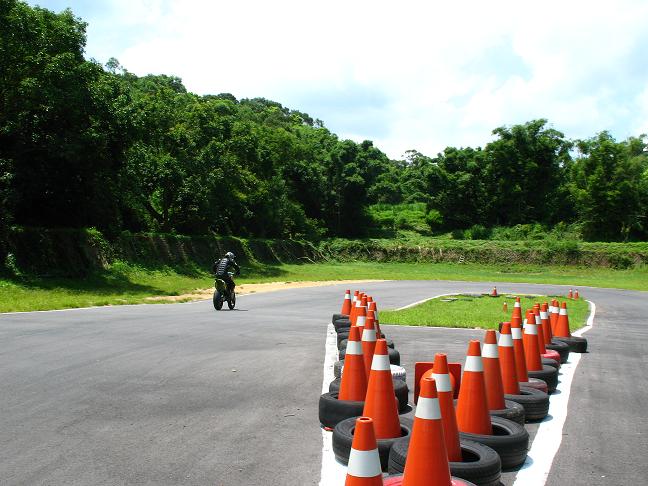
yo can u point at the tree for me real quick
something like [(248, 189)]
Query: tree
[(609, 184), (524, 168), (55, 121)]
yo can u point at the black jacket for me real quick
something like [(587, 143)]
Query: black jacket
[(222, 266)]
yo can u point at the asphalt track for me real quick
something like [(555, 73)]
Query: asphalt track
[(181, 394)]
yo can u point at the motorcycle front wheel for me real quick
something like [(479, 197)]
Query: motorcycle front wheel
[(218, 300), (231, 302)]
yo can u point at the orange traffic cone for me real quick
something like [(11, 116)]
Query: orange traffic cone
[(374, 307), (540, 328), (427, 459), (510, 381), (576, 296), (353, 385), (361, 314), (368, 342), (494, 292), (546, 325), (364, 461), (570, 295), (530, 340), (380, 402), (472, 406), (346, 305), (354, 310), (492, 372), (518, 347), (516, 316), (562, 324), (445, 393), (505, 308), (553, 315)]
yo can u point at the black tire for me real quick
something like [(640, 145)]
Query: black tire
[(338, 316), (400, 390), (481, 465), (343, 437), (341, 337), (576, 344), (342, 344), (337, 368), (217, 300), (547, 374), (394, 356), (561, 348), (535, 403), (342, 325), (332, 411), (512, 411), (231, 302), (510, 440), (535, 383), (550, 362)]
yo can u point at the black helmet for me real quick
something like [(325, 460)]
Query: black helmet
[(230, 256)]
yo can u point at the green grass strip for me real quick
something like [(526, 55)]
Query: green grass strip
[(125, 283), (481, 312)]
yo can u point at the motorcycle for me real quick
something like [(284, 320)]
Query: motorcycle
[(222, 294)]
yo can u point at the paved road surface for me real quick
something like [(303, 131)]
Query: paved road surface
[(180, 394)]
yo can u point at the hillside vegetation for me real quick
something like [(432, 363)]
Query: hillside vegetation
[(115, 186)]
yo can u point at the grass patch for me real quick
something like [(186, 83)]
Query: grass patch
[(482, 312), (125, 283)]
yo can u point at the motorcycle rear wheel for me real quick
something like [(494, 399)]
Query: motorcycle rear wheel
[(231, 302), (218, 300)]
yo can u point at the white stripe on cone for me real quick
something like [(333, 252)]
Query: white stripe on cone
[(544, 315), (537, 319), (490, 351), (442, 382), (360, 321), (506, 341), (531, 329), (428, 408), (563, 312), (354, 347), (474, 363), (364, 464), (369, 335), (516, 332), (380, 362)]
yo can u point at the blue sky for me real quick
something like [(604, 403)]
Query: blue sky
[(407, 75)]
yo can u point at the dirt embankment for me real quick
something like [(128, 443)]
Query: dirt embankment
[(202, 294)]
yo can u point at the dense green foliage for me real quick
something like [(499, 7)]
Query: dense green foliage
[(83, 145)]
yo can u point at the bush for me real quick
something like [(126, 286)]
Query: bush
[(478, 232), (458, 234), (434, 219)]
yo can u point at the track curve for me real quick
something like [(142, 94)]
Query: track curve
[(181, 394)]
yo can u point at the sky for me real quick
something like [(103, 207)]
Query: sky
[(419, 75)]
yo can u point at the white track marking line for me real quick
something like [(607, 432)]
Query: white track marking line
[(424, 300), (546, 443), (333, 473)]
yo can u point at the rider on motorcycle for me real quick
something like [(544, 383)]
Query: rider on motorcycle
[(222, 267)]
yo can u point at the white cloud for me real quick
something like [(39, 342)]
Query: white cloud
[(442, 73)]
